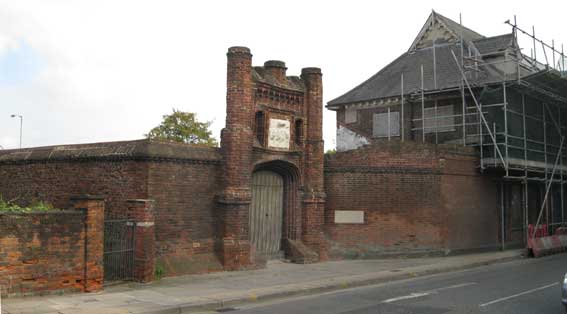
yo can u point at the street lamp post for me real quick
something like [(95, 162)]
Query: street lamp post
[(21, 125)]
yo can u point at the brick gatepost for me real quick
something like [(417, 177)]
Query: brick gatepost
[(233, 246), (314, 191), (93, 206), (142, 212)]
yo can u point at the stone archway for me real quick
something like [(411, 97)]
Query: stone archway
[(266, 213), (275, 213)]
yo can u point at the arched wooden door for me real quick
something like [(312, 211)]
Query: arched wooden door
[(266, 213)]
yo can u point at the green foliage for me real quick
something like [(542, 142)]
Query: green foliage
[(159, 272), (183, 127), (7, 206), (331, 152)]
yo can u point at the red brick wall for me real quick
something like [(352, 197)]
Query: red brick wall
[(51, 251), (56, 181), (471, 203), (182, 179), (184, 195), (415, 197)]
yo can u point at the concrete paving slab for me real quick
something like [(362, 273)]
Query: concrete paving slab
[(280, 279)]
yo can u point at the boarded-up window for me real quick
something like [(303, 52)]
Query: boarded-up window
[(445, 121), (259, 125), (298, 131), (386, 124), (350, 115)]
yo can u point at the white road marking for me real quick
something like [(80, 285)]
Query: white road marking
[(409, 296), (520, 294), (426, 293)]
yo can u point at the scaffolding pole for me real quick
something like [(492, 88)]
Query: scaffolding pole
[(402, 109), (389, 136), (562, 180), (525, 135), (502, 226), (479, 108), (545, 155), (506, 128), (536, 40), (526, 208), (526, 184), (463, 94), (422, 109), (436, 124), (560, 152), (544, 203)]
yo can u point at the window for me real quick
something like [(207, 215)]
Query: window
[(259, 125), (445, 121), (350, 115), (298, 131), (386, 124)]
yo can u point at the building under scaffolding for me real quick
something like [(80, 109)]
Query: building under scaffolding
[(455, 86)]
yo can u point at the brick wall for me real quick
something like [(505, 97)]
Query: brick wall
[(416, 198), (47, 252), (184, 195), (182, 179), (56, 181), (471, 203)]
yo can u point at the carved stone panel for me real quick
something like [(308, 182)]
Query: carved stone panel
[(279, 134)]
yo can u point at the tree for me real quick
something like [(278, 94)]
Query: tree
[(183, 127)]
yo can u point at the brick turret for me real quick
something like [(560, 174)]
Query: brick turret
[(314, 195), (233, 246), (276, 69)]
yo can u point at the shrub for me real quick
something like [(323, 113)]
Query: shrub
[(8, 206)]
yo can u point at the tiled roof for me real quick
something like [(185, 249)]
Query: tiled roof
[(494, 44), (387, 82)]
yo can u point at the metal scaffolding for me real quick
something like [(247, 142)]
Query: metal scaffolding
[(515, 122)]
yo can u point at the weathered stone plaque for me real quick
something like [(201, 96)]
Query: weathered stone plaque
[(278, 134), (349, 216)]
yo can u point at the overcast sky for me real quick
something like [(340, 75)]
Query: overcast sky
[(88, 71)]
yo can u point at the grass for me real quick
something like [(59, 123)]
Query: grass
[(10, 207)]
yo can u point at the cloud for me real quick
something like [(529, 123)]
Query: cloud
[(109, 70)]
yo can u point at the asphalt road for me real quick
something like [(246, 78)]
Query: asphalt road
[(522, 286)]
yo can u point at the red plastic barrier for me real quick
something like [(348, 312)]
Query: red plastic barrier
[(548, 245), (542, 231)]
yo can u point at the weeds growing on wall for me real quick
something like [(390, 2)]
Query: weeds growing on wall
[(8, 206)]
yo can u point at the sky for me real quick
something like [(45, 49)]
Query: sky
[(92, 71)]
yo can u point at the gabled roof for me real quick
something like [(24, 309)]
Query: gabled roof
[(442, 29), (387, 82)]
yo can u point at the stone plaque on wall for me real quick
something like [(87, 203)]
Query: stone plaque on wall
[(349, 216), (278, 136)]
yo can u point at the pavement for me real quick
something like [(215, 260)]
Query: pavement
[(223, 290), (525, 286)]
